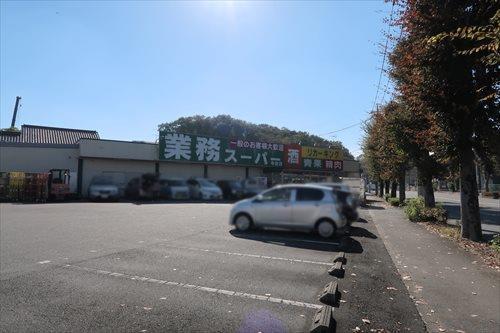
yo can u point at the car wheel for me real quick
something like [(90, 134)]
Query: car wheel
[(242, 222), (325, 229)]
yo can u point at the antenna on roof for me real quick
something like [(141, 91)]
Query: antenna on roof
[(13, 123)]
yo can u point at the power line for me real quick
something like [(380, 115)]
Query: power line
[(388, 77), (379, 78), (383, 58), (339, 130)]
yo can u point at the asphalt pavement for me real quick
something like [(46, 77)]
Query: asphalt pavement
[(454, 290), (157, 267)]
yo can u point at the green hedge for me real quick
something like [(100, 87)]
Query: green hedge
[(495, 243), (393, 201), (416, 211)]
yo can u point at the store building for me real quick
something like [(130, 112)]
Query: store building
[(38, 149)]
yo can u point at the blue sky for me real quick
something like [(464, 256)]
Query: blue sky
[(122, 68)]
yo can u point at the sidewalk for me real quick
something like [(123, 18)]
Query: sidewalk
[(453, 290)]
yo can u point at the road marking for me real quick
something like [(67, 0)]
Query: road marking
[(299, 240), (44, 262), (196, 287), (251, 255)]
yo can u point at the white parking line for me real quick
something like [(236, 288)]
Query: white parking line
[(302, 240), (251, 255), (196, 287)]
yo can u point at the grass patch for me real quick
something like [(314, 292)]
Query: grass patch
[(393, 201)]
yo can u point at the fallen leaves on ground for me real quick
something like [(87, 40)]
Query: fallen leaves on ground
[(490, 256)]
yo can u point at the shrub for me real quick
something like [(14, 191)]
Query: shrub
[(393, 201), (413, 207), (387, 196), (416, 211), (436, 214), (495, 242)]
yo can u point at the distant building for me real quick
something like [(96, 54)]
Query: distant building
[(38, 149)]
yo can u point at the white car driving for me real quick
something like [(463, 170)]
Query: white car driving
[(294, 206)]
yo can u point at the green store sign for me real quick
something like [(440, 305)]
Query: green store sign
[(204, 149)]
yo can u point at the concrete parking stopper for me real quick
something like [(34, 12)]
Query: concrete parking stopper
[(330, 294), (337, 270), (340, 257), (323, 321)]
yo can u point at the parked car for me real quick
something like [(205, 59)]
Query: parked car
[(173, 188), (143, 187), (347, 198), (103, 188), (231, 189), (202, 188), (253, 186), (357, 187), (293, 206)]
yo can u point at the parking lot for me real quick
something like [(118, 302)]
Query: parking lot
[(180, 267)]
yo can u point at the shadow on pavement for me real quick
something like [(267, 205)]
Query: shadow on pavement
[(301, 240), (361, 232), (369, 205), (173, 202)]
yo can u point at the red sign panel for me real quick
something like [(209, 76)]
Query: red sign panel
[(292, 158)]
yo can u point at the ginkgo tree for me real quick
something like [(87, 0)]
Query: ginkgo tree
[(445, 69)]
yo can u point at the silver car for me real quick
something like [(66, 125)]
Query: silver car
[(204, 189), (299, 207), (103, 188)]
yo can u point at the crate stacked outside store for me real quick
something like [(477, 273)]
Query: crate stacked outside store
[(24, 187), (35, 187), (4, 186), (15, 188)]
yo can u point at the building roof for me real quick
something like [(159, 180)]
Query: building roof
[(33, 134)]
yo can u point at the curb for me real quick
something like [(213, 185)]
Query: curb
[(323, 321), (337, 270)]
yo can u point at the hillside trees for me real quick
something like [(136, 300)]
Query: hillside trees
[(226, 126)]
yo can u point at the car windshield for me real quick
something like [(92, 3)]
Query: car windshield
[(176, 182), (102, 180), (235, 184), (206, 183)]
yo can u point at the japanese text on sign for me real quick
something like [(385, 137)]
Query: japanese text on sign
[(184, 147), (322, 153)]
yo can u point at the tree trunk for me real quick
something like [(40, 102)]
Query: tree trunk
[(469, 202), (394, 189), (376, 188), (420, 188), (487, 182), (429, 200), (402, 193), (425, 188), (381, 189), (387, 186), (478, 177)]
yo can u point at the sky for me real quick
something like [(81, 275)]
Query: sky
[(123, 68)]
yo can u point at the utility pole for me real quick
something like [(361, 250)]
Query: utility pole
[(18, 98)]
